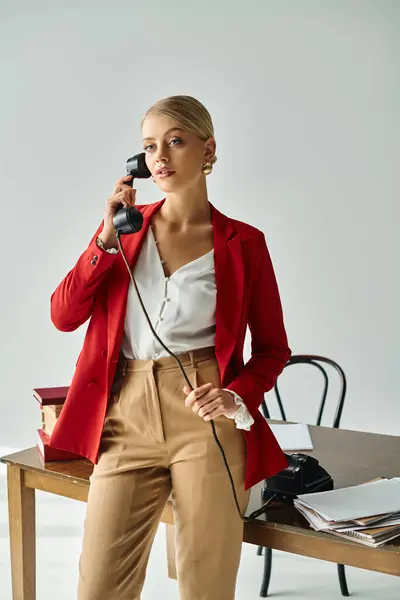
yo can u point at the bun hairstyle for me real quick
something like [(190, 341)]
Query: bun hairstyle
[(191, 114)]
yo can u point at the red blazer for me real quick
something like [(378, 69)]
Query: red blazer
[(247, 293)]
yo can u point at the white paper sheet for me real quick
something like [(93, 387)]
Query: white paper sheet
[(368, 499), (292, 436)]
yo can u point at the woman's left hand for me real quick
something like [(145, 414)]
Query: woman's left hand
[(210, 402)]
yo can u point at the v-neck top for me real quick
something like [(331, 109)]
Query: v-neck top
[(181, 307)]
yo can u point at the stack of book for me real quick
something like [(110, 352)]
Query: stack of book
[(368, 513), (51, 401)]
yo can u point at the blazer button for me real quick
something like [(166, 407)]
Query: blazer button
[(93, 262)]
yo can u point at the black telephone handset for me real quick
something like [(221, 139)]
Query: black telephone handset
[(130, 220)]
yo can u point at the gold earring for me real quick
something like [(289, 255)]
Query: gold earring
[(207, 168)]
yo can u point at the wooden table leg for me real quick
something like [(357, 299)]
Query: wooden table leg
[(21, 506), (170, 532)]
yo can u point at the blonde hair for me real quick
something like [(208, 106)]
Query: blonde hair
[(189, 112)]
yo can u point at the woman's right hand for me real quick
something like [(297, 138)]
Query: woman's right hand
[(124, 195)]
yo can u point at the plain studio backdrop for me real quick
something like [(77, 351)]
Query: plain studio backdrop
[(305, 101)]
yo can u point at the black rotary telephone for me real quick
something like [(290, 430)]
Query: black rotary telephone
[(303, 475), (304, 472)]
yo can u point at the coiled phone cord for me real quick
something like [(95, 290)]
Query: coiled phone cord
[(260, 510)]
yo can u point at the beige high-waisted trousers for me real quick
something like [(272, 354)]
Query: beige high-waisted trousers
[(153, 444)]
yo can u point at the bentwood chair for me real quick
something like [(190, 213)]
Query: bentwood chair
[(314, 360)]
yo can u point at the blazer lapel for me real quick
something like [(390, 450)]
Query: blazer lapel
[(229, 275)]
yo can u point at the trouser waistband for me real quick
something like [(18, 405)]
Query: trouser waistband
[(189, 358)]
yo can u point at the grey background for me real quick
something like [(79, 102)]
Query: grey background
[(305, 101)]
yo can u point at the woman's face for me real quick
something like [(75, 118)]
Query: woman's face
[(166, 143)]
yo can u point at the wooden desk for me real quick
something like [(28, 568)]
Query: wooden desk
[(351, 457)]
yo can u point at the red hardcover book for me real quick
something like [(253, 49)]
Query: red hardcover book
[(48, 453), (51, 395)]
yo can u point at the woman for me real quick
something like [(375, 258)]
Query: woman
[(203, 278)]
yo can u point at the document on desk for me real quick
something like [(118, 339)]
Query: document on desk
[(367, 499), (292, 436)]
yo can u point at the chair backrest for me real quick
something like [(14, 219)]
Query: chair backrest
[(314, 360)]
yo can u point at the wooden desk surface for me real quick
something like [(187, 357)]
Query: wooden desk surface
[(351, 457)]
